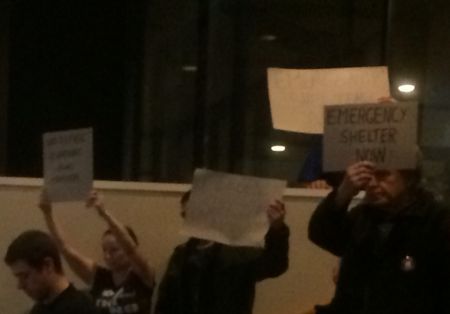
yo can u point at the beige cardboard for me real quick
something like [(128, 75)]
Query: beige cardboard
[(385, 134), (297, 96), (68, 168), (230, 208)]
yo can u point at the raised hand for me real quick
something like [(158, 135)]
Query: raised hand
[(276, 213), (95, 200), (357, 176)]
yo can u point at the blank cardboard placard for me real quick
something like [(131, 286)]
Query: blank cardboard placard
[(68, 164), (385, 134), (229, 208), (297, 96)]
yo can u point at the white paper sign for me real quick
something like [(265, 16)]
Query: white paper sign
[(230, 209), (68, 164), (385, 134), (297, 96)]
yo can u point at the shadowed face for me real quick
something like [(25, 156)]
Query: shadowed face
[(113, 254), (387, 187), (36, 283)]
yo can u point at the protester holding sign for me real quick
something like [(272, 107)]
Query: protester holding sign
[(206, 277), (395, 245), (126, 284)]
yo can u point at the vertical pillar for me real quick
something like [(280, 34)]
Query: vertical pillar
[(4, 81)]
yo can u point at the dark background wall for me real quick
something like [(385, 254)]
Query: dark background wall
[(73, 64), (172, 85)]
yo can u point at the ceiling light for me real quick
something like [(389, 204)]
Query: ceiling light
[(406, 88), (278, 148), (268, 37), (189, 68)]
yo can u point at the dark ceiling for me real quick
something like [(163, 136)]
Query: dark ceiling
[(159, 79)]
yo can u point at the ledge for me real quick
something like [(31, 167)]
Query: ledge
[(148, 186)]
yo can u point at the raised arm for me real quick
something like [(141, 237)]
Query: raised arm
[(274, 259), (328, 226), (82, 266), (440, 260), (140, 265)]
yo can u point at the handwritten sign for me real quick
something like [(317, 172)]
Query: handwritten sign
[(229, 208), (297, 96), (68, 164), (385, 134)]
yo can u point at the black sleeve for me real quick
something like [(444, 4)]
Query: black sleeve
[(274, 259), (329, 226), (168, 293), (86, 308), (101, 276), (442, 259), (81, 303)]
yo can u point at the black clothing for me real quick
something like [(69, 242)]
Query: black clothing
[(322, 309), (70, 301), (132, 297), (390, 264), (220, 279)]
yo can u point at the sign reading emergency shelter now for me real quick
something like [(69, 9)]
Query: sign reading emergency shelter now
[(384, 133)]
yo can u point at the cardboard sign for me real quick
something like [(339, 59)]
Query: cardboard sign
[(68, 164), (297, 96), (230, 209), (385, 134)]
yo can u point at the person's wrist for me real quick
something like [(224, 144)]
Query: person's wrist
[(346, 192), (102, 211), (276, 224), (47, 212)]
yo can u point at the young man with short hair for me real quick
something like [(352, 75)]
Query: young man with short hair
[(35, 261)]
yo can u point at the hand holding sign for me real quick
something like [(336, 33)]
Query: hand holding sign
[(95, 200), (276, 213), (356, 178)]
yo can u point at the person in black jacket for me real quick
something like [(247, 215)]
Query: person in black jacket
[(205, 277), (395, 245)]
